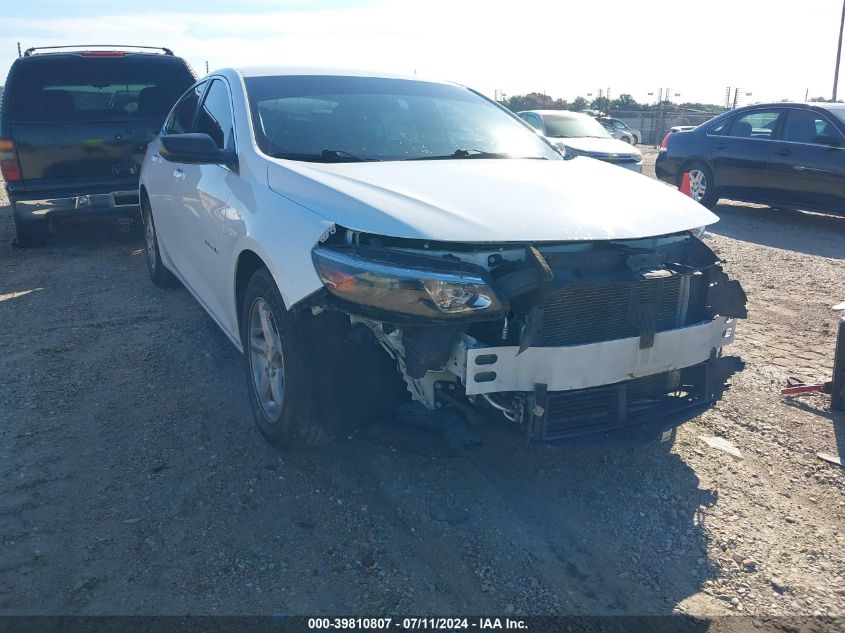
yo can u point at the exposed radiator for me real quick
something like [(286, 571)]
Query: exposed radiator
[(589, 314)]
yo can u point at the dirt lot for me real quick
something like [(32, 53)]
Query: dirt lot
[(134, 482)]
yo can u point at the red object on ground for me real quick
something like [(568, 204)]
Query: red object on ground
[(686, 188), (796, 388)]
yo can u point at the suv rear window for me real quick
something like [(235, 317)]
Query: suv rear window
[(77, 88)]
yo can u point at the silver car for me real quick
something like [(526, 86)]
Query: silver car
[(579, 134), (619, 129)]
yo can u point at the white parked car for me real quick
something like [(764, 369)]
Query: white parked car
[(582, 135), (351, 232), (619, 129)]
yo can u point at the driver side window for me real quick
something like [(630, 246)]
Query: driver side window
[(215, 116), (533, 120), (182, 117)]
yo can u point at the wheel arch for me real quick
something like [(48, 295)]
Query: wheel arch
[(691, 160), (247, 263)]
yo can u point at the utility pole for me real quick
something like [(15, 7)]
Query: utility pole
[(727, 98), (19, 55), (206, 66), (838, 53)]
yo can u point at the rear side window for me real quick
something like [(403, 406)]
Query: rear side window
[(721, 127), (760, 124), (182, 118), (215, 116), (70, 88)]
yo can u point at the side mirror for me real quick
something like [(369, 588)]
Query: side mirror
[(195, 148), (828, 139)]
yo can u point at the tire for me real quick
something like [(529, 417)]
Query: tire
[(159, 274), (30, 234), (702, 185), (281, 378), (627, 139)]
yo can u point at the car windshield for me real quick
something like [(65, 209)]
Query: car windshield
[(573, 127), (838, 112), (346, 119)]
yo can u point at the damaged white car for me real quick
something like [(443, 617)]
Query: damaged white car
[(368, 239)]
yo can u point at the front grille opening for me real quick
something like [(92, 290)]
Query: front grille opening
[(626, 404)]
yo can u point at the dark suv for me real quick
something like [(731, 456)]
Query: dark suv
[(74, 126)]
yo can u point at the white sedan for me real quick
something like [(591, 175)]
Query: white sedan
[(365, 239), (582, 135)]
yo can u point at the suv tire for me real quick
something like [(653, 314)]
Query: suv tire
[(30, 234)]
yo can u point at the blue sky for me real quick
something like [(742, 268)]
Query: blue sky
[(775, 50)]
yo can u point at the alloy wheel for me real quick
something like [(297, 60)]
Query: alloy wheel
[(266, 360), (698, 185), (150, 238)]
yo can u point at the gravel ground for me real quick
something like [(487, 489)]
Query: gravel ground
[(132, 480)]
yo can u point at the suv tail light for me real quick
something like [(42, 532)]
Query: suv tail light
[(665, 144), (9, 165)]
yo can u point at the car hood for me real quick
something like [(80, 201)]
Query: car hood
[(489, 200), (596, 145)]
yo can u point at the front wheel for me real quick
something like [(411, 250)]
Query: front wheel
[(702, 185), (277, 367)]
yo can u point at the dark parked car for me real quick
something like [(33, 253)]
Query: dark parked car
[(789, 155), (74, 126)]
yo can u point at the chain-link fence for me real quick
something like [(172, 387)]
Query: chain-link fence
[(654, 124)]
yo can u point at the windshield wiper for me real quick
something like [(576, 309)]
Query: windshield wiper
[(325, 156), (342, 155), (472, 153)]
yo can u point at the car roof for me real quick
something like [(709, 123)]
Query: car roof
[(793, 104), (561, 113), (290, 71)]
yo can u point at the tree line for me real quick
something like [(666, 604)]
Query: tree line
[(540, 101)]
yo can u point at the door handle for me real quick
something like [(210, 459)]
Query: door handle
[(156, 158), (719, 146), (782, 152), (178, 173)]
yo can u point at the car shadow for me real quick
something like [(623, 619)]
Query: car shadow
[(811, 233), (608, 531), (836, 419)]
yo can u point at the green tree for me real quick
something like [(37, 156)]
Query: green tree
[(818, 99), (600, 103), (533, 101), (625, 102), (579, 104)]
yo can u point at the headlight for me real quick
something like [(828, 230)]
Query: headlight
[(410, 285)]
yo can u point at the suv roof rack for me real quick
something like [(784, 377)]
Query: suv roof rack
[(28, 52)]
